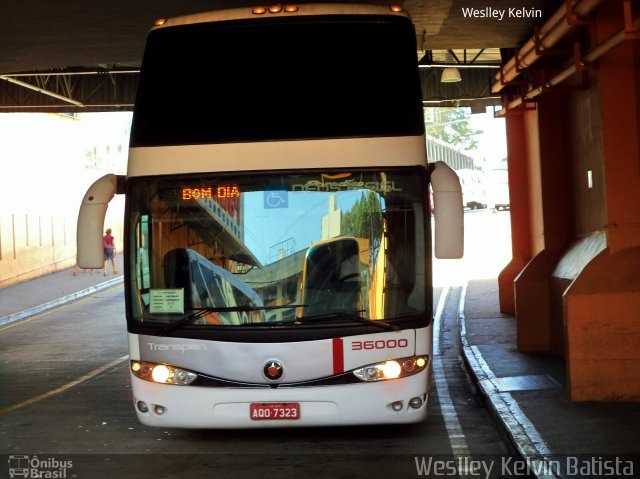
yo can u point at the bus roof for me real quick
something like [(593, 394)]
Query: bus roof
[(246, 13)]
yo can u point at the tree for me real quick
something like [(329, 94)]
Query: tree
[(451, 125), (364, 220)]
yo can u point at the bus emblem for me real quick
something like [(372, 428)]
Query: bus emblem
[(273, 370)]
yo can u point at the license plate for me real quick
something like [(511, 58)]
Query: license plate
[(274, 411)]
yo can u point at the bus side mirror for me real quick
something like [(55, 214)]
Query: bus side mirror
[(448, 212), (91, 220)]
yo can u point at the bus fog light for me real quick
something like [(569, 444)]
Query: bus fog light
[(142, 406), (397, 406), (159, 410), (416, 402)]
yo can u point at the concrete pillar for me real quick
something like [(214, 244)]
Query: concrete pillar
[(539, 330), (602, 305), (574, 172), (518, 160)]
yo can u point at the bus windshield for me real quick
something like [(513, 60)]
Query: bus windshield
[(222, 250)]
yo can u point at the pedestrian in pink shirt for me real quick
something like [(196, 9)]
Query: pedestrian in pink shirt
[(109, 251)]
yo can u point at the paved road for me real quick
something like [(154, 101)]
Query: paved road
[(66, 396), (93, 423)]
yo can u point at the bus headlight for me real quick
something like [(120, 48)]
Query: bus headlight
[(392, 369), (162, 373)]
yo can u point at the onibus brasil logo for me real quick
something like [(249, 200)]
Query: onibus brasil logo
[(34, 467)]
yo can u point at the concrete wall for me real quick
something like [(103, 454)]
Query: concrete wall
[(34, 245), (46, 164)]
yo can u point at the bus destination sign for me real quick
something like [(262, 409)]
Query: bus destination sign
[(217, 192)]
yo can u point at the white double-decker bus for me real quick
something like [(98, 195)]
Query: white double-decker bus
[(278, 228)]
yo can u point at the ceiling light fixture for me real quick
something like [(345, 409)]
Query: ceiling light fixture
[(450, 75)]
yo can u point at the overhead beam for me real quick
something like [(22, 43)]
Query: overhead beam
[(475, 85), (115, 90), (69, 91), (41, 90)]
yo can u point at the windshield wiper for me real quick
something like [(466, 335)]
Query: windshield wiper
[(201, 312), (353, 316)]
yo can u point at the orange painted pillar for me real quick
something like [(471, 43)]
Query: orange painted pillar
[(539, 319), (517, 152), (602, 305)]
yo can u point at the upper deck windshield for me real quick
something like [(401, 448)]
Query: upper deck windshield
[(223, 250), (284, 78)]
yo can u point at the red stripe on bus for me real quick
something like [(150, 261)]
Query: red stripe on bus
[(338, 356)]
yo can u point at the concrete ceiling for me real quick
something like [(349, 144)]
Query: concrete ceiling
[(39, 35)]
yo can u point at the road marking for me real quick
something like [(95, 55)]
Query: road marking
[(457, 439), (80, 380), (436, 320), (58, 308)]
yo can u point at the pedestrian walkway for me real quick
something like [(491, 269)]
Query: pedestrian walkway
[(526, 394), (33, 297)]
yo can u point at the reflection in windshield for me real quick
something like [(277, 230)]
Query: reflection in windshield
[(239, 249), (334, 277)]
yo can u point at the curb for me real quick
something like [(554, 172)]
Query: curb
[(27, 313), (524, 437)]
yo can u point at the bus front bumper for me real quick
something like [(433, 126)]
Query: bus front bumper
[(382, 402)]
